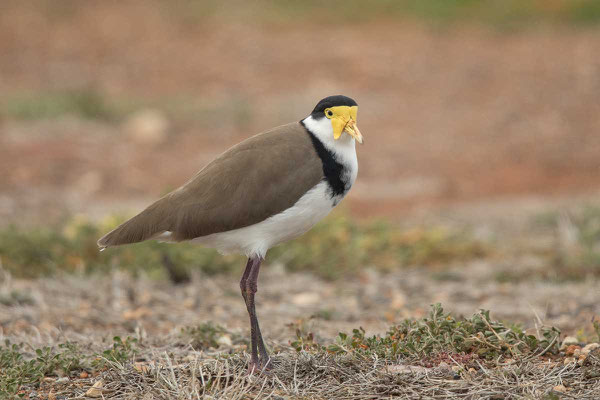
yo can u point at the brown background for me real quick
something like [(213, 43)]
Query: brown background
[(451, 113)]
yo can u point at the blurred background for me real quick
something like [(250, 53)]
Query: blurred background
[(478, 179), (111, 104)]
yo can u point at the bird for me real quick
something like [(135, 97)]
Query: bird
[(267, 189)]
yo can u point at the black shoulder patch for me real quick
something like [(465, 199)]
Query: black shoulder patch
[(332, 169)]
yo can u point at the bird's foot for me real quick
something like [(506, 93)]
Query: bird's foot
[(266, 364), (253, 368), (260, 367)]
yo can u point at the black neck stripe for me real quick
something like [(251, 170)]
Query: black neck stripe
[(332, 169)]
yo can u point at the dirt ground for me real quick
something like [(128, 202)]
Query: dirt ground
[(76, 307)]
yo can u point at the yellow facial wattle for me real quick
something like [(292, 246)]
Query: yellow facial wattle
[(343, 119)]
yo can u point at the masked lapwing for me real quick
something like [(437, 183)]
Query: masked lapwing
[(263, 191)]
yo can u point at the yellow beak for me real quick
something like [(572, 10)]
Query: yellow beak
[(352, 130), (344, 120)]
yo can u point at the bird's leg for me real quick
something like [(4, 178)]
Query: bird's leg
[(249, 286), (253, 288), (245, 278), (244, 288)]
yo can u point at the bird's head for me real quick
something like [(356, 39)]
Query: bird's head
[(340, 111)]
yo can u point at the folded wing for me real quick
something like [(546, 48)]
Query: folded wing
[(260, 177)]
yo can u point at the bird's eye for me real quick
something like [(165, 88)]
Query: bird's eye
[(329, 113)]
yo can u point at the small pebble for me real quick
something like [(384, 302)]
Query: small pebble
[(560, 388), (590, 347), (95, 390), (443, 366), (225, 341), (569, 340), (147, 126), (569, 360), (142, 367), (571, 349)]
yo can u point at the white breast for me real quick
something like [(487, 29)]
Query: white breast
[(255, 240)]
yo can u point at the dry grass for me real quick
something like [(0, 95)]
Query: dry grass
[(183, 373), (334, 377)]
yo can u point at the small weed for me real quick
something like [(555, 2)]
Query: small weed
[(305, 342), (15, 371), (305, 339), (324, 314), (16, 298), (71, 358), (208, 335), (67, 359), (551, 396), (204, 335), (575, 253), (446, 276), (120, 352), (19, 368)]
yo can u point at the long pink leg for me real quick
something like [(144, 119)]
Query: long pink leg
[(249, 287)]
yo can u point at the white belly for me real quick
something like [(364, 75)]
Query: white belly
[(255, 240)]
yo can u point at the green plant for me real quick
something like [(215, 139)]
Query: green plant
[(305, 339), (208, 335), (14, 370), (576, 253), (19, 368), (63, 362), (440, 332), (120, 352), (16, 297)]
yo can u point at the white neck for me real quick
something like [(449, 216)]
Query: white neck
[(343, 148)]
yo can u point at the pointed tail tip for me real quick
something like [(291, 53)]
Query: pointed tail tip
[(102, 243)]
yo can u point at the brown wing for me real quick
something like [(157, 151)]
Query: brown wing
[(260, 177)]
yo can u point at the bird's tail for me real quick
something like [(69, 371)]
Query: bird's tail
[(146, 225)]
